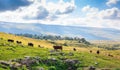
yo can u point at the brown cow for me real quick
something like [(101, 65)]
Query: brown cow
[(30, 44), (110, 55), (10, 40), (90, 51), (57, 47)]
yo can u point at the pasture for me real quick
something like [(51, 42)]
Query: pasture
[(13, 51)]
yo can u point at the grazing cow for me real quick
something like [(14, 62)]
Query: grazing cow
[(10, 40), (40, 46), (90, 51), (74, 49), (57, 47), (30, 44), (18, 42), (110, 55), (98, 52)]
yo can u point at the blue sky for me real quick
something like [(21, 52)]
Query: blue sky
[(87, 13)]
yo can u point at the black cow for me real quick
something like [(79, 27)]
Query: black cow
[(10, 40), (18, 42), (98, 52), (57, 47), (74, 49), (30, 44)]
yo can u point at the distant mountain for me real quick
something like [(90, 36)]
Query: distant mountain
[(90, 33)]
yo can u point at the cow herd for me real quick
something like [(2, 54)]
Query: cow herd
[(19, 42), (54, 47), (97, 52)]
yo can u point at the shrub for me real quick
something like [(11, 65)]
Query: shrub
[(52, 68)]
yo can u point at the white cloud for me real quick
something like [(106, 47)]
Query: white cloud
[(90, 11), (104, 18), (88, 8), (110, 2), (58, 13), (113, 13), (39, 10)]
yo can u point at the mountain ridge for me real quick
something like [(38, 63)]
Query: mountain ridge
[(90, 33)]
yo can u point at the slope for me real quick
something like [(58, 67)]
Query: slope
[(12, 51), (90, 33)]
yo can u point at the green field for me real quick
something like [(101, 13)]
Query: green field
[(12, 52)]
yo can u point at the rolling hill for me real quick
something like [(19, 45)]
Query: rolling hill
[(12, 53), (90, 33)]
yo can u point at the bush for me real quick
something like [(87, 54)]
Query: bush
[(52, 68), (117, 69)]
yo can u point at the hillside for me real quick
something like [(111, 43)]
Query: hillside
[(90, 33), (26, 40), (13, 54)]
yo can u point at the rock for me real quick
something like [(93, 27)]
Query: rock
[(70, 54), (28, 61), (96, 63), (92, 68), (4, 63), (61, 53), (40, 68), (27, 57), (71, 64), (52, 60), (71, 61), (63, 58), (70, 68), (15, 66)]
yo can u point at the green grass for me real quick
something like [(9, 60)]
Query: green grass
[(9, 51)]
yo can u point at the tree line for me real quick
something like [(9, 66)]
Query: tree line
[(54, 37)]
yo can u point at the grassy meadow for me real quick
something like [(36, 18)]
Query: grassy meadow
[(13, 51)]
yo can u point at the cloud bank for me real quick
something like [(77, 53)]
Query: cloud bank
[(39, 10), (63, 13)]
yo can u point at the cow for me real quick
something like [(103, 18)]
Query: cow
[(40, 46), (18, 42), (110, 55), (98, 52), (57, 47), (10, 40), (74, 49), (90, 51), (30, 44)]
